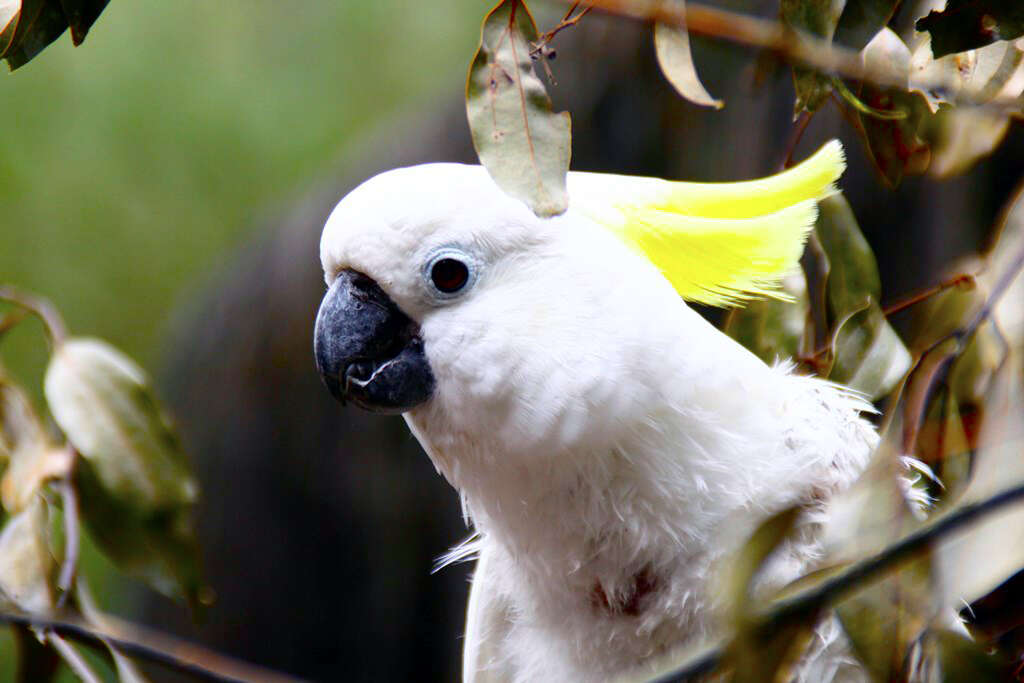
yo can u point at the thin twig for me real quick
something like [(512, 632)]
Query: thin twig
[(541, 46), (143, 643), (937, 359), (73, 659), (960, 280), (69, 498), (794, 138), (40, 307), (795, 608), (792, 45)]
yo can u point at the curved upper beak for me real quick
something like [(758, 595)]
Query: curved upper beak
[(367, 350)]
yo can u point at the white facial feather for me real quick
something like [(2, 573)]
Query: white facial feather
[(602, 434)]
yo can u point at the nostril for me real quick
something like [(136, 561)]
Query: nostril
[(359, 372)]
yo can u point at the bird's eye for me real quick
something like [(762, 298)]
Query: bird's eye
[(449, 275)]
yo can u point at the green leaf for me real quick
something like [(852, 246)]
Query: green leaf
[(770, 328), (757, 653), (106, 408), (37, 24), (26, 565), (862, 20), (884, 620), (159, 547), (818, 18), (868, 354), (521, 142), (964, 661), (31, 25), (968, 24), (81, 15), (672, 48)]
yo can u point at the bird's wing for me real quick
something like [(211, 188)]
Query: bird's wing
[(487, 628)]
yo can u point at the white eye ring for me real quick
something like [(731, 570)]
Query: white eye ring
[(450, 272)]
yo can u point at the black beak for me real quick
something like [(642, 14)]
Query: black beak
[(367, 350)]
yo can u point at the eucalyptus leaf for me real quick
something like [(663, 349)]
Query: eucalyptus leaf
[(672, 48), (965, 661), (106, 408), (26, 565), (770, 328), (757, 653), (818, 18), (37, 24), (158, 548), (81, 15), (33, 457), (862, 20), (867, 353), (968, 24), (521, 142)]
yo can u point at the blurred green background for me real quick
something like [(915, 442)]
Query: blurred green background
[(131, 166)]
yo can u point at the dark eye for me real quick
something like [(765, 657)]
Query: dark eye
[(449, 275)]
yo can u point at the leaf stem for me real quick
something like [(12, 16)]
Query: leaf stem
[(73, 659), (69, 497), (39, 307)]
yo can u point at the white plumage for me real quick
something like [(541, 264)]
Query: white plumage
[(611, 447)]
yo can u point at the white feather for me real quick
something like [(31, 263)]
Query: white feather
[(611, 447)]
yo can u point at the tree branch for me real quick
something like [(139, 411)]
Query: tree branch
[(792, 45), (796, 608), (144, 644)]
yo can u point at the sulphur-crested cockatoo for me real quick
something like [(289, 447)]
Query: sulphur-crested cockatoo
[(611, 447)]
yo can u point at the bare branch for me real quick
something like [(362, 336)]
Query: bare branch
[(145, 644), (794, 46)]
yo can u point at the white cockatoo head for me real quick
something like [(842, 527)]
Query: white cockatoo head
[(452, 302)]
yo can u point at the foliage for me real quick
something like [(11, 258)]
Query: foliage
[(115, 465), (894, 574), (934, 100), (31, 25)]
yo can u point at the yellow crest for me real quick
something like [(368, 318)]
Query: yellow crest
[(717, 243)]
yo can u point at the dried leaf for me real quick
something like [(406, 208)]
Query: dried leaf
[(523, 144), (980, 559), (967, 24), (32, 465), (867, 353), (103, 403), (26, 565), (32, 456), (672, 47)]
